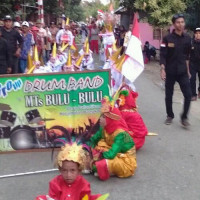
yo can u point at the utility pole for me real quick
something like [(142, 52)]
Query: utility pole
[(41, 11)]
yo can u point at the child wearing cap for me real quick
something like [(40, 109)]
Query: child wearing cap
[(69, 184), (87, 61)]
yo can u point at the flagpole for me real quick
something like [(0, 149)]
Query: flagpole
[(41, 11)]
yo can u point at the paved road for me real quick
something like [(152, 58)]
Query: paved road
[(168, 165)]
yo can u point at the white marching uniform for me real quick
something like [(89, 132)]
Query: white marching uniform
[(64, 36), (87, 62)]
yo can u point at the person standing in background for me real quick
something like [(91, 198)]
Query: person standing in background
[(4, 56), (94, 38), (15, 43), (83, 33), (49, 44), (64, 36), (27, 38), (195, 64), (17, 27), (53, 30), (41, 41), (128, 36), (174, 61), (117, 35), (122, 36)]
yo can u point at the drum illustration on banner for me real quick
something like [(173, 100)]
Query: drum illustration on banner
[(35, 111)]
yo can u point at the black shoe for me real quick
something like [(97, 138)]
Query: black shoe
[(194, 98), (168, 121), (185, 123), (199, 95)]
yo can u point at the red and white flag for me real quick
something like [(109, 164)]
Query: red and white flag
[(134, 62)]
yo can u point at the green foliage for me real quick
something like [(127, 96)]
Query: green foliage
[(128, 4), (160, 12), (51, 6), (90, 8), (192, 14), (74, 12), (72, 7), (6, 7)]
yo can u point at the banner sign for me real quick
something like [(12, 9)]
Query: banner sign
[(37, 109)]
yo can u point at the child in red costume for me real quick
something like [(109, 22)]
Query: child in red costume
[(113, 147), (127, 106), (70, 185)]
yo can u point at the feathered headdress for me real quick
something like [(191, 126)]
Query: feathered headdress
[(73, 144), (127, 99), (107, 107), (71, 152)]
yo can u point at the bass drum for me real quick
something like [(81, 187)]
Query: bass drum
[(22, 137), (4, 131), (8, 118)]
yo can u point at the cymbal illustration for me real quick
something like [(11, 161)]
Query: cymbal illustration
[(4, 106), (48, 119)]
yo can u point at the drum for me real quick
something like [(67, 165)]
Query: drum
[(40, 133), (33, 116), (8, 118), (38, 127), (22, 137), (4, 131)]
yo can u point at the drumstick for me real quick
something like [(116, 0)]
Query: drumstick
[(28, 173)]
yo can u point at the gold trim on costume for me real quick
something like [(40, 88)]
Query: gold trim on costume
[(130, 110), (71, 152)]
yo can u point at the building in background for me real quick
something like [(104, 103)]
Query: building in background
[(147, 32)]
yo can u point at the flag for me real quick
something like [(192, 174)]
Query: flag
[(134, 62)]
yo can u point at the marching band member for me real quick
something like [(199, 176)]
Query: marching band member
[(65, 35), (87, 62)]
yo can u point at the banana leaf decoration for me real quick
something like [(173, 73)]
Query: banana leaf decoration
[(102, 197)]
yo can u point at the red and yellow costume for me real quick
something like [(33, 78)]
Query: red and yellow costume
[(128, 108), (59, 189), (116, 145)]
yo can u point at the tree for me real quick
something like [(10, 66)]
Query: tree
[(73, 9), (91, 8), (11, 7), (192, 14), (128, 4), (160, 12)]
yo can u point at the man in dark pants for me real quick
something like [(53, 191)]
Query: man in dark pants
[(174, 60), (4, 56), (14, 41), (195, 63)]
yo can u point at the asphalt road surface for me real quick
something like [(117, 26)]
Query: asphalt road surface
[(168, 164)]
